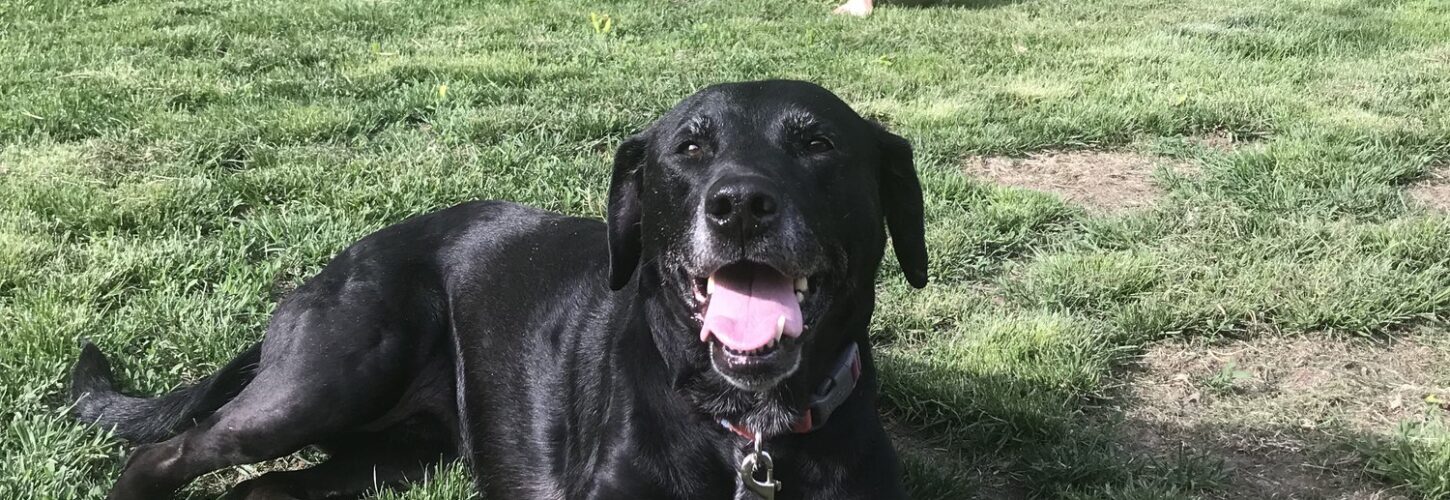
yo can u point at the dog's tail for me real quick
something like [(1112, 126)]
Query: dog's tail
[(149, 420)]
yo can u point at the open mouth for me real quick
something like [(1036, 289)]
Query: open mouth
[(750, 310)]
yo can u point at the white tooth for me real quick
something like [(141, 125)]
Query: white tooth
[(710, 286), (800, 296), (802, 285), (779, 327)]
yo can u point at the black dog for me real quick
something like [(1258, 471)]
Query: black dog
[(726, 300)]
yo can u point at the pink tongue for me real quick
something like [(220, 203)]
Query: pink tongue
[(747, 304)]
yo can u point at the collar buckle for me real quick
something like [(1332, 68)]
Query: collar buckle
[(833, 391)]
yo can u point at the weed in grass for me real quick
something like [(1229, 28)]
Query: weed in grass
[(1417, 457), (1227, 379)]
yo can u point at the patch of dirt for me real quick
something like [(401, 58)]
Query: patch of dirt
[(1100, 180), (1433, 191), (1284, 413)]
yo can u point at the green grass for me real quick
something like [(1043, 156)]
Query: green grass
[(1418, 458), (167, 169)]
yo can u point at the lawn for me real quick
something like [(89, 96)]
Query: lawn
[(169, 169)]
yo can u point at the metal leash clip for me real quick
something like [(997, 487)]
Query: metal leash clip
[(751, 464)]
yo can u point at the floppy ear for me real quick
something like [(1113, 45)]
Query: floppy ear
[(901, 199), (624, 211)]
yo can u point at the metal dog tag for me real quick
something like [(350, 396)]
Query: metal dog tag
[(753, 463)]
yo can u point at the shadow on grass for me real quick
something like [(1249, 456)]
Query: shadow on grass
[(993, 437), (1268, 462)]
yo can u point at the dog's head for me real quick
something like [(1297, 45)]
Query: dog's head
[(757, 213)]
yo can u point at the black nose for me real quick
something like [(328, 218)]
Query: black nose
[(741, 206)]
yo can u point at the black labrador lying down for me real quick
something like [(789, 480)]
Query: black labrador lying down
[(708, 341)]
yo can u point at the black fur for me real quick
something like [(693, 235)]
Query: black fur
[(148, 420), (561, 357)]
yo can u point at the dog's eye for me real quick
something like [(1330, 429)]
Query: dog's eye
[(690, 149), (819, 145)]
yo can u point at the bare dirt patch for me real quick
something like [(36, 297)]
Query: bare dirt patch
[(1284, 414), (1433, 191), (1100, 180)]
